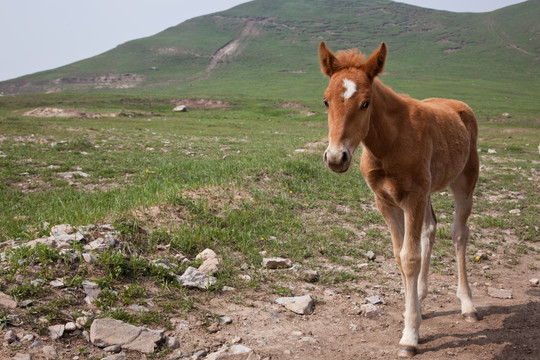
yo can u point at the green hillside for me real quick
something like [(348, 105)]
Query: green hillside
[(268, 49)]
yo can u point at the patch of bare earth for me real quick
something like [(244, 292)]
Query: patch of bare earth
[(202, 103), (47, 112)]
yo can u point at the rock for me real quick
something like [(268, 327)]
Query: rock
[(516, 212), (19, 356), (276, 263), (210, 261), (50, 351), (370, 255), (56, 283), (35, 345), (492, 151), (180, 108), (534, 282), (89, 258), (70, 326), (56, 331), (27, 303), (101, 244), (92, 291), (138, 308), (7, 301), (194, 278), (199, 355), (82, 321), (302, 305), (28, 337), (113, 349), (61, 229), (10, 336), (375, 299), (499, 293), (70, 174), (172, 342), (106, 332), (310, 275), (505, 114), (235, 352), (224, 320), (370, 311)]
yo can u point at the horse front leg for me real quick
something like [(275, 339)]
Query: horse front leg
[(411, 263)]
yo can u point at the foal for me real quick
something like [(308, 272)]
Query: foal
[(411, 149)]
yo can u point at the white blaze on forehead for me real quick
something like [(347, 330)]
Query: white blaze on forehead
[(350, 88)]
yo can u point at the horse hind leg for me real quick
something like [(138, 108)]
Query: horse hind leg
[(429, 229), (463, 189)]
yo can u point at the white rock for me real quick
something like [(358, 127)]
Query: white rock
[(56, 331), (70, 326), (276, 263), (499, 293), (106, 332), (194, 278), (180, 108), (370, 311), (534, 282), (302, 305), (7, 301), (375, 299)]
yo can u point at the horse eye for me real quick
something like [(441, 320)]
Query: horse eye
[(325, 102), (365, 105)]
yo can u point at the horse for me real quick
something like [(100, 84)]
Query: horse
[(411, 149)]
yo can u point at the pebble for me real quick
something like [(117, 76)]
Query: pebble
[(370, 255), (10, 336), (375, 299), (370, 311), (113, 349), (50, 351), (534, 282), (56, 331), (224, 320), (172, 342), (70, 326), (310, 275), (19, 356), (199, 355), (35, 345), (276, 263), (302, 305)]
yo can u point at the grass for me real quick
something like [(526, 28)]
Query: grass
[(226, 179)]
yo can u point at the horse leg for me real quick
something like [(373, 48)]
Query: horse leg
[(411, 264), (463, 196), (429, 229), (393, 216)]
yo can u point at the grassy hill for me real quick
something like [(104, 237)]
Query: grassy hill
[(268, 49)]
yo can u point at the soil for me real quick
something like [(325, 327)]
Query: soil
[(508, 328)]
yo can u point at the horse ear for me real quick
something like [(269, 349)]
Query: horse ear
[(327, 59), (375, 64)]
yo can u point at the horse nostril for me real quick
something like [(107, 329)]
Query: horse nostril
[(344, 157), (325, 156)]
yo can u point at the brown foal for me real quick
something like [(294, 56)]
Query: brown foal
[(411, 149)]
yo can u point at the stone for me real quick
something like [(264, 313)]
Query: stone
[(92, 291), (50, 351), (276, 263), (210, 261), (138, 308), (10, 336), (180, 108), (82, 321), (113, 349), (101, 244), (35, 345), (499, 293), (310, 275), (71, 174), (375, 299), (56, 331), (234, 352), (370, 255), (7, 301), (224, 320), (89, 258), (370, 311), (27, 303), (106, 332), (199, 355), (28, 337), (193, 278), (70, 326), (61, 229), (172, 342), (534, 282), (516, 212), (19, 356), (56, 283), (302, 305)]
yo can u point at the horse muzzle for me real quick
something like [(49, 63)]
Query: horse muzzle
[(338, 160)]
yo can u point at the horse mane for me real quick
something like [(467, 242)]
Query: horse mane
[(351, 58)]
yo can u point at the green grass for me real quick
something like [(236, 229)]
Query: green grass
[(226, 179)]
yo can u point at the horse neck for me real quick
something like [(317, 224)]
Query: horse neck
[(388, 111)]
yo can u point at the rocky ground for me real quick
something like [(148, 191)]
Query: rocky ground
[(352, 320)]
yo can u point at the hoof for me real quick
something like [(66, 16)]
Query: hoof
[(471, 317), (407, 351)]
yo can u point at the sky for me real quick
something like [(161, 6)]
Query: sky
[(37, 35)]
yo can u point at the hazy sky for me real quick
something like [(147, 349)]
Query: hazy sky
[(38, 35)]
